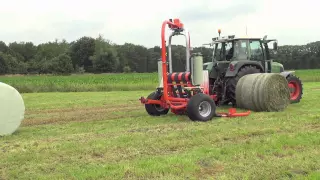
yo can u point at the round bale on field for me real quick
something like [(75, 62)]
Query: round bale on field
[(263, 92), (12, 109)]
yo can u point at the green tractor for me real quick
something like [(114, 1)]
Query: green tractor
[(234, 57)]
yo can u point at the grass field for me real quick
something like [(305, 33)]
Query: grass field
[(108, 135), (104, 82)]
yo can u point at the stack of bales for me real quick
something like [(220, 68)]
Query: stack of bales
[(263, 92), (12, 109)]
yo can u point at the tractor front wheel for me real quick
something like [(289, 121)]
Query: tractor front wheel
[(155, 109), (201, 107), (295, 87)]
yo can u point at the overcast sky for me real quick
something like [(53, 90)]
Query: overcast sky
[(139, 21)]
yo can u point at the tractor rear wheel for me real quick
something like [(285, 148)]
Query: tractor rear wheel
[(232, 83), (295, 87), (155, 109), (201, 107)]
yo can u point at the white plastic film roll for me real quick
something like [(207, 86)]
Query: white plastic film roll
[(12, 109)]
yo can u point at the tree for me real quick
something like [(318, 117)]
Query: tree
[(98, 55), (3, 47), (61, 64), (80, 53), (105, 57)]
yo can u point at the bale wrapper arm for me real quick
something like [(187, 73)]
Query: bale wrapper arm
[(193, 97)]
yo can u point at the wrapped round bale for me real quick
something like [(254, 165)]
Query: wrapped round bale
[(12, 109), (263, 92)]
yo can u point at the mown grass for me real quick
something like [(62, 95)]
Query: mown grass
[(108, 135), (104, 82)]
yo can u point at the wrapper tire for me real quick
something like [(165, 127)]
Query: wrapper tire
[(155, 109), (201, 107)]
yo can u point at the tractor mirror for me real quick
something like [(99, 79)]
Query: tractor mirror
[(275, 46)]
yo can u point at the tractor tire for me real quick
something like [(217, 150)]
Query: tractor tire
[(155, 109), (201, 107), (232, 83), (296, 89)]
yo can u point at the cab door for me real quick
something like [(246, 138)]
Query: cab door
[(256, 53)]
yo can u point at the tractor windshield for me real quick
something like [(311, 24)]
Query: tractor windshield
[(218, 52), (241, 49)]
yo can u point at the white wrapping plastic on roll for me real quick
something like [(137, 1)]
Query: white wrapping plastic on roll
[(12, 109)]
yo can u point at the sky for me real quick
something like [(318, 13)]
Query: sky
[(139, 21)]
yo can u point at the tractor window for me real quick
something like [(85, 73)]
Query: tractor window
[(270, 52), (240, 50), (229, 50), (218, 52), (256, 51)]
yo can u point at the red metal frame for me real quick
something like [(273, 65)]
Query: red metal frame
[(233, 113)]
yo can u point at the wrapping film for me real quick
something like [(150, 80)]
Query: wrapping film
[(12, 109)]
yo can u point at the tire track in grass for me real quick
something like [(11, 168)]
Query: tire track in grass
[(59, 116), (65, 110)]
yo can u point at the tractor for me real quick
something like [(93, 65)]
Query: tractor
[(234, 57)]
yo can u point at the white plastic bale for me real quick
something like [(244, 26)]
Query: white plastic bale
[(12, 109)]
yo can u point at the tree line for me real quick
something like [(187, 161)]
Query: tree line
[(99, 55)]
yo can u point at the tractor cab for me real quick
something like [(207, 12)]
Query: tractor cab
[(229, 50), (241, 48)]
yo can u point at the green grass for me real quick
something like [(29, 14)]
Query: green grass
[(108, 135), (104, 82)]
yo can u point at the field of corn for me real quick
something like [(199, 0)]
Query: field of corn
[(103, 82)]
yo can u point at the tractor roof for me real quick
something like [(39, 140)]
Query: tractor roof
[(232, 37)]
